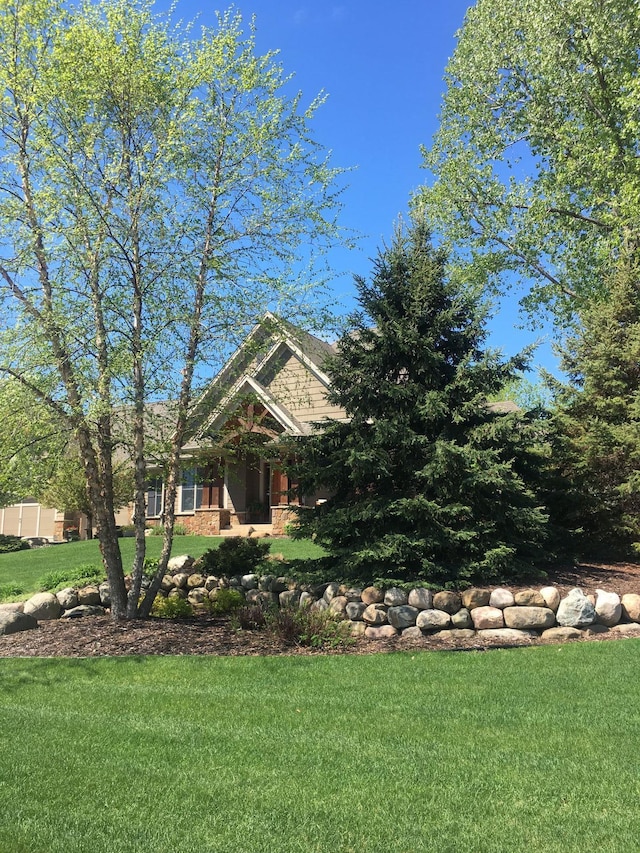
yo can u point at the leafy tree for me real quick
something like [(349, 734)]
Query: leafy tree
[(597, 418), (157, 192), (427, 480), (535, 164)]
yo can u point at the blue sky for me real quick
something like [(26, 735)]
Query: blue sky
[(382, 66)]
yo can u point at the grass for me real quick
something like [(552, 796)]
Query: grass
[(24, 569), (527, 750)]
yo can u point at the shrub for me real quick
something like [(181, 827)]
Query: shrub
[(78, 576), (10, 590), (9, 544), (171, 608), (236, 555), (251, 617), (319, 629), (178, 530), (226, 601)]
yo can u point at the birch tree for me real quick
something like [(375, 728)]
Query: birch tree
[(158, 191)]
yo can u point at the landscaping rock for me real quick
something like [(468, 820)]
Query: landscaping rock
[(319, 605), (353, 593), (178, 592), (84, 610), (195, 580), (43, 606), (355, 609), (338, 605), (105, 594), (501, 598), (289, 598), (449, 602), (529, 618), (472, 598), (421, 598), (181, 563), (627, 629), (395, 597), (89, 595), (551, 597), (380, 632), (631, 606), (372, 595), (412, 634), (608, 608), (560, 634), (67, 597), (506, 636), (403, 616), (167, 583), (249, 581), (331, 591), (487, 618), (180, 579), (529, 598), (306, 599), (13, 606), (433, 620), (12, 621), (576, 611), (358, 629), (375, 614), (456, 634), (462, 619), (197, 595), (596, 628), (281, 584)]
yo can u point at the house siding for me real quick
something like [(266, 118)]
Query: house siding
[(292, 383)]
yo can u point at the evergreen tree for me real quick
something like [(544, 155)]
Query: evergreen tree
[(427, 480), (597, 418)]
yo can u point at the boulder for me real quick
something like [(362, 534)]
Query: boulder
[(67, 597), (472, 598), (289, 598), (167, 583), (306, 599), (195, 580), (456, 634), (181, 563), (12, 605), (83, 610), (211, 582), (380, 632), (462, 619), (487, 618), (403, 616), (551, 597), (358, 629), (529, 618), (89, 595), (421, 598), (105, 594), (627, 629), (338, 605), (12, 621), (178, 592), (448, 601), (529, 598), (249, 581), (412, 634), (197, 595), (595, 629), (43, 606), (433, 620), (501, 598), (331, 591), (608, 608), (631, 606), (375, 614), (560, 634), (575, 611), (355, 609), (505, 636), (395, 597), (352, 593), (372, 595), (180, 579)]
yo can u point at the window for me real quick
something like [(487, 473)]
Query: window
[(154, 497), (191, 493)]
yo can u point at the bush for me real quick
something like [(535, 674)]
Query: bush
[(78, 576), (318, 629), (9, 544), (178, 530), (251, 617), (236, 555), (9, 591), (226, 601), (171, 608)]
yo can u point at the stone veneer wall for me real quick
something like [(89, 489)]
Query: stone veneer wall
[(206, 522), (496, 614)]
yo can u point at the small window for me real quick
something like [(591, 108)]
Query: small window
[(154, 497)]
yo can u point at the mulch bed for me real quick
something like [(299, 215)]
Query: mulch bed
[(98, 636)]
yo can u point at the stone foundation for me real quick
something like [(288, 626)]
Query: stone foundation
[(206, 522), (281, 517)]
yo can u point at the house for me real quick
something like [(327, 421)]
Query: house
[(274, 385)]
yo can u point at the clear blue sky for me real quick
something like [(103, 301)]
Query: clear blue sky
[(382, 66)]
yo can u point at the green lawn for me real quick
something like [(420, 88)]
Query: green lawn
[(522, 750), (25, 568)]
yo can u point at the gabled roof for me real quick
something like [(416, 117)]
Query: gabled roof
[(240, 377)]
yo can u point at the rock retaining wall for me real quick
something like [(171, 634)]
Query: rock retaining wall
[(498, 614)]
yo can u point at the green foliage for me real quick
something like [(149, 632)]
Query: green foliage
[(250, 617), (427, 481), (236, 555), (9, 544), (77, 576), (597, 420), (226, 601), (296, 626), (171, 608), (535, 160), (9, 591), (178, 530)]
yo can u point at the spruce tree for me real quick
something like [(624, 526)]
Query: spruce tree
[(597, 418), (427, 481)]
